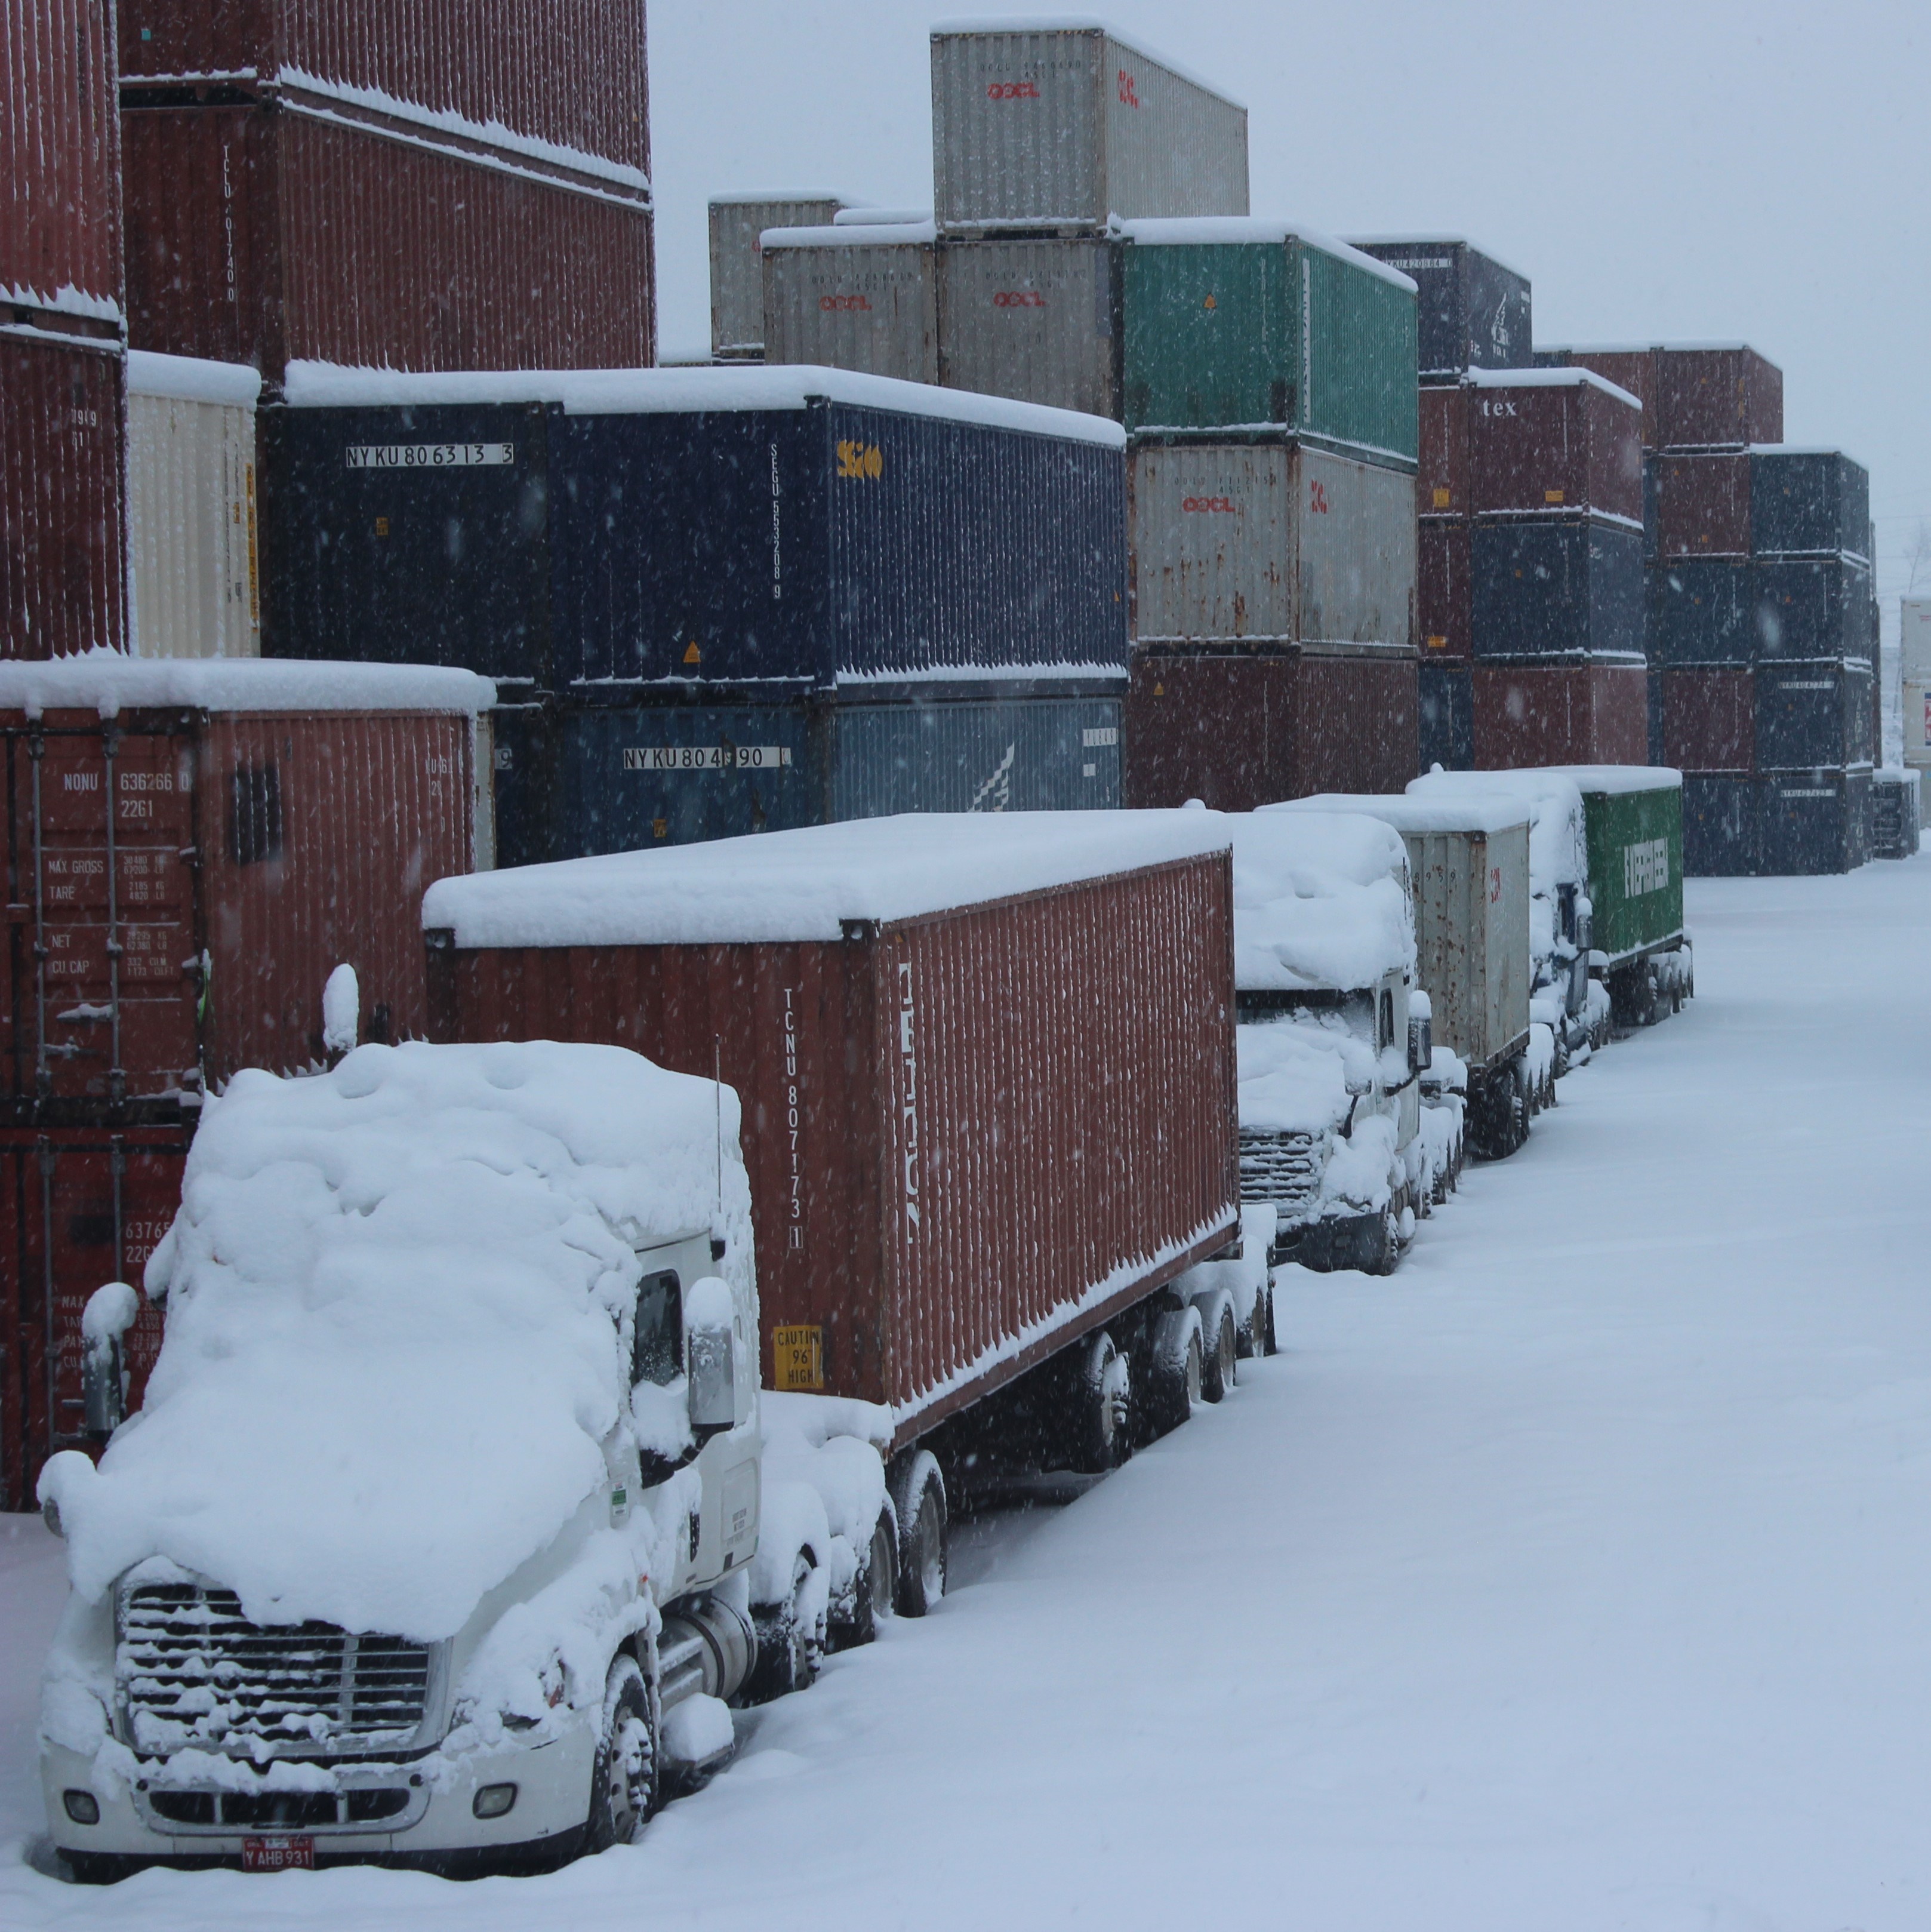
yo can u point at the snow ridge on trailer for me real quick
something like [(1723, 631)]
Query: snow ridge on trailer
[(110, 682)]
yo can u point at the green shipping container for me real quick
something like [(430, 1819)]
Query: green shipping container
[(1231, 324), (1633, 816)]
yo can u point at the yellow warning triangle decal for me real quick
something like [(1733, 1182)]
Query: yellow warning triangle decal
[(692, 655)]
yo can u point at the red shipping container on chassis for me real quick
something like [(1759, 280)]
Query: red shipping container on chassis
[(1543, 440), (1709, 719), (1528, 716), (980, 1122), (63, 542), (266, 234), (78, 1208), (60, 167), (269, 823), (1239, 731)]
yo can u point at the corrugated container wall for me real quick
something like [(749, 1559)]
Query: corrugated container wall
[(1036, 319), (1251, 333), (1585, 714), (191, 524), (1472, 937), (1726, 397), (570, 74), (1809, 501), (1635, 866), (1702, 505), (265, 234), (1557, 587), (1447, 718), (63, 563), (1270, 542), (1062, 128), (1634, 370), (1700, 611), (1708, 717), (737, 264), (1065, 1059), (1473, 312), (60, 164), (860, 298), (1543, 442)]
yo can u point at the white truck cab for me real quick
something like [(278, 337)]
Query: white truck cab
[(437, 1540)]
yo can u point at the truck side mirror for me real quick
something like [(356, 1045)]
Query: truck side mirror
[(109, 1314), (710, 1355)]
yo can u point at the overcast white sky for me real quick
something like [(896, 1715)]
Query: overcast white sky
[(1660, 171)]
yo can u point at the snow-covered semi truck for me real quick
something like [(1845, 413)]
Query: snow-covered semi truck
[(987, 1064), (451, 1514)]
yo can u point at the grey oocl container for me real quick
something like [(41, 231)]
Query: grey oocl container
[(1814, 501), (1270, 542), (1569, 588), (737, 272), (1699, 611), (846, 297), (1812, 607), (1446, 708), (772, 525), (1813, 716), (1036, 318), (1471, 311), (613, 778), (1062, 127)]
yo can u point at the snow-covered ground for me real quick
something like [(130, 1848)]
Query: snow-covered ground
[(1578, 1576)]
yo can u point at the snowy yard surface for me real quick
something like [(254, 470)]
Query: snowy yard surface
[(1578, 1576)]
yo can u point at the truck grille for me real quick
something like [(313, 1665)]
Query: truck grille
[(1281, 1169), (192, 1670)]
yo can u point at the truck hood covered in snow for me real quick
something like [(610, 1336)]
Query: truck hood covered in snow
[(391, 1360), (1293, 1074)]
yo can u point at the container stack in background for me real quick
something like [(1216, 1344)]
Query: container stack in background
[(737, 222), (1914, 654), (859, 292)]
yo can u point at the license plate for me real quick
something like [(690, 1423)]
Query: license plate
[(278, 1855)]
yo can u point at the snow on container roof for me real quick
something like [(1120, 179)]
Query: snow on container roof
[(1203, 231), (1490, 812), (390, 1359), (109, 682), (913, 232), (1595, 349), (1558, 834), (189, 379), (806, 884), (751, 198), (1433, 241), (881, 217), (1619, 779), (677, 392), (1548, 379), (1081, 23)]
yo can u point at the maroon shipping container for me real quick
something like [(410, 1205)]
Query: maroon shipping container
[(568, 74), (1532, 714), (1444, 588), (1703, 504), (1721, 396), (1555, 441), (978, 1124), (1709, 719), (262, 234), (1634, 370), (78, 1208), (60, 149), (1239, 732), (269, 822), (63, 439), (1441, 476)]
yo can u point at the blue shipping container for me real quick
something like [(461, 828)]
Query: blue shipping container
[(1446, 707), (1809, 716), (1557, 588), (1813, 607), (1699, 612), (1813, 501)]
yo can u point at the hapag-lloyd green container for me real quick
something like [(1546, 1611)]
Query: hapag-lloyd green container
[(1234, 324), (1633, 816)]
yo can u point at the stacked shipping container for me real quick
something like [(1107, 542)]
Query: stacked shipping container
[(737, 226), (1914, 677)]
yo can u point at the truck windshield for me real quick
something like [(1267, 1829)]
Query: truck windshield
[(657, 1350)]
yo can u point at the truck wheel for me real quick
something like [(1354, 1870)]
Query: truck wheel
[(1273, 1347), (1173, 1380), (790, 1639), (876, 1598), (1253, 1333), (623, 1785), (1101, 1392), (1220, 1345), (919, 1495)]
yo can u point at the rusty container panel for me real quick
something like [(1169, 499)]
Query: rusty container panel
[(79, 1208), (261, 237), (1709, 719), (737, 226), (569, 74), (1444, 589), (1546, 441), (966, 1146), (63, 434), (252, 854), (1702, 505), (860, 298), (1442, 475), (1534, 715), (1240, 731), (1725, 396), (1036, 319), (60, 164)]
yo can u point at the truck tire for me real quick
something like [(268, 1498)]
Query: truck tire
[(1253, 1329), (624, 1784), (790, 1639), (1219, 1344), (1097, 1424), (1273, 1347), (918, 1495), (1173, 1371), (876, 1599)]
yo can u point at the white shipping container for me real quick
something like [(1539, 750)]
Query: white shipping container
[(193, 588), (737, 266), (1915, 640), (1917, 702), (1035, 320), (1065, 128), (863, 298), (1270, 542)]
